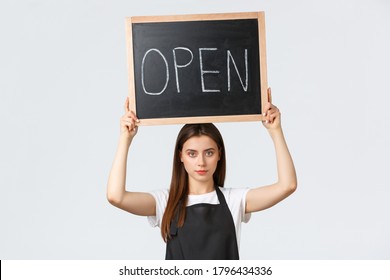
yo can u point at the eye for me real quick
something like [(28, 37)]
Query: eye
[(209, 153), (191, 154)]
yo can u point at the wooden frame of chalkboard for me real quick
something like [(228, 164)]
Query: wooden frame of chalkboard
[(197, 68)]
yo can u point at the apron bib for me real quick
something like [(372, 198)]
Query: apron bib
[(208, 233)]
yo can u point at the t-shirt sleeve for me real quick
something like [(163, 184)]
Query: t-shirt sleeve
[(245, 216), (161, 198), (236, 200)]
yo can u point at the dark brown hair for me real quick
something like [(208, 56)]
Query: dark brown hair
[(179, 182)]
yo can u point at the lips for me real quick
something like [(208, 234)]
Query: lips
[(201, 172)]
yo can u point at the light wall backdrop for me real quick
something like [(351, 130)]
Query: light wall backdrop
[(63, 82)]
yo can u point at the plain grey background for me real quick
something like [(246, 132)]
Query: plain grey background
[(63, 81)]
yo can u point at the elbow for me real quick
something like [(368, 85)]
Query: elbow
[(292, 183), (293, 187), (290, 187), (113, 199)]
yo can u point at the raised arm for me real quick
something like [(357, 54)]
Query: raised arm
[(264, 197), (138, 203)]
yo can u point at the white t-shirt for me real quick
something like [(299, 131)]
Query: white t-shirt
[(235, 199)]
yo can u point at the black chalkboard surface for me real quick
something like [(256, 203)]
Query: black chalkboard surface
[(197, 68)]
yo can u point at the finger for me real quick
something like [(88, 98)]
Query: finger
[(127, 102), (267, 108), (128, 125), (269, 95), (273, 116), (128, 119), (272, 109), (133, 116), (276, 113)]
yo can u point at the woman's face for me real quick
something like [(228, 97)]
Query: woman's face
[(200, 156)]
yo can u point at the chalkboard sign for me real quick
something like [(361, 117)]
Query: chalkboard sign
[(197, 68)]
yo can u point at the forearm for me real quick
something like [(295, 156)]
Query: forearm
[(285, 166), (116, 186)]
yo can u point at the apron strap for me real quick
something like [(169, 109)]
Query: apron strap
[(220, 195)]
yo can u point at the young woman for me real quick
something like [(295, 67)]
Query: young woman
[(199, 219)]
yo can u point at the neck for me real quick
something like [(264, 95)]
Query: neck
[(201, 187)]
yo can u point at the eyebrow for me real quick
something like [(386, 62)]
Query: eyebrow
[(192, 150)]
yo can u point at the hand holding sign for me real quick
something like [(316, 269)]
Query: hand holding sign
[(271, 113), (129, 122)]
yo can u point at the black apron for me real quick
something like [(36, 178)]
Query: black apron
[(208, 233)]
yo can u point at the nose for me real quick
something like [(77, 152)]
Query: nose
[(201, 161)]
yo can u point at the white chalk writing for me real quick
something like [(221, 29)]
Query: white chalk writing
[(143, 76)]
